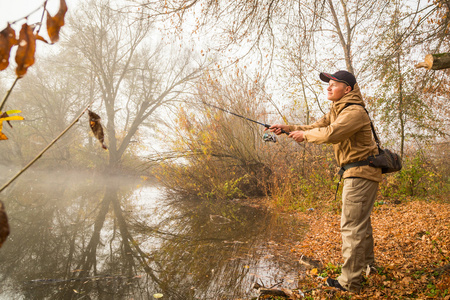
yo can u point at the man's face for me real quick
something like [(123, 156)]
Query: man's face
[(336, 90)]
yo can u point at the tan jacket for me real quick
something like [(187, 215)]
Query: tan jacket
[(350, 133)]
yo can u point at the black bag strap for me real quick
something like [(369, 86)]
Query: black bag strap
[(352, 165)]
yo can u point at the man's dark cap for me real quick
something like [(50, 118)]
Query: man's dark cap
[(341, 76)]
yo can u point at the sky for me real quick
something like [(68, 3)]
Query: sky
[(15, 10)]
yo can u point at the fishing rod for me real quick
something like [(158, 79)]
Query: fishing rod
[(267, 137)]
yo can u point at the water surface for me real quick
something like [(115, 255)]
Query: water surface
[(94, 237)]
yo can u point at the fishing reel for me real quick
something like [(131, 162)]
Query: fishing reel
[(269, 137)]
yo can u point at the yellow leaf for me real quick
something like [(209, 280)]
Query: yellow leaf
[(2, 135), (11, 118), (13, 111), (314, 272), (6, 117)]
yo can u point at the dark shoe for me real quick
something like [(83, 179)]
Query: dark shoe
[(334, 283), (371, 269)]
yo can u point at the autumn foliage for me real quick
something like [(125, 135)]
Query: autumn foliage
[(411, 251), (27, 41), (218, 151), (97, 128), (7, 41), (4, 226), (5, 117), (25, 58), (223, 156), (26, 49), (55, 23)]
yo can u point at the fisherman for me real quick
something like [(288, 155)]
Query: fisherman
[(347, 126)]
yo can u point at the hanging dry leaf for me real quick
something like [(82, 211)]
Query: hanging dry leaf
[(40, 38), (6, 117), (7, 41), (8, 113), (26, 50), (55, 23), (3, 117), (4, 226), (97, 129)]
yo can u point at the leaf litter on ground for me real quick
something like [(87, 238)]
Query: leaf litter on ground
[(412, 252)]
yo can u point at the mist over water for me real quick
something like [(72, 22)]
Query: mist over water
[(84, 235)]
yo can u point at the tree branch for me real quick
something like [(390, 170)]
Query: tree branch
[(45, 149)]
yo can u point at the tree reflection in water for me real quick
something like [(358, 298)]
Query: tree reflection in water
[(106, 238)]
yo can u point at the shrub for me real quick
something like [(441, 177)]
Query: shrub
[(419, 177)]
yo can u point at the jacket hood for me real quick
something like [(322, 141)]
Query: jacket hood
[(352, 97)]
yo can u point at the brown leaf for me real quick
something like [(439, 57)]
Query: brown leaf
[(97, 129), (55, 23), (26, 50), (7, 41), (40, 38), (4, 226)]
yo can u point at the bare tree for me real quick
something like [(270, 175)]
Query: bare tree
[(328, 35), (49, 97), (133, 82)]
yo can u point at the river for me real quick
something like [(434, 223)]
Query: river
[(95, 237)]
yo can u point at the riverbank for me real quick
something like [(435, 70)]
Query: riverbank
[(412, 249)]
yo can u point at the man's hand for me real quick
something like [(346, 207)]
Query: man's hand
[(277, 128), (298, 136)]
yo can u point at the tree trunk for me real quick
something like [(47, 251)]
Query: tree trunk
[(435, 61), (400, 106), (346, 44)]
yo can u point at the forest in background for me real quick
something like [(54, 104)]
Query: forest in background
[(379, 42), (149, 66)]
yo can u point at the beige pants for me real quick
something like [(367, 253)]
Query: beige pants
[(358, 197)]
